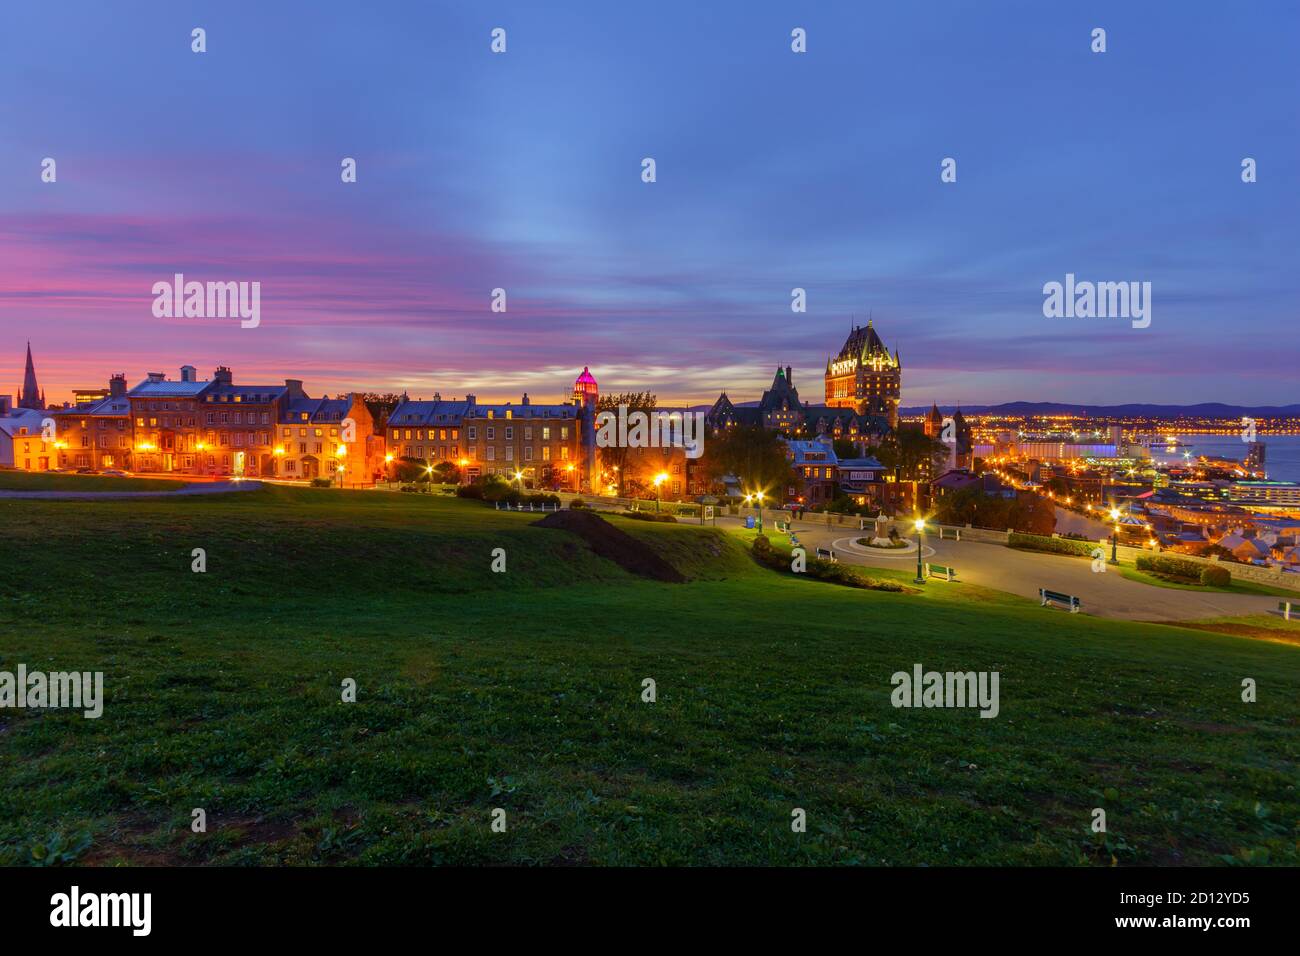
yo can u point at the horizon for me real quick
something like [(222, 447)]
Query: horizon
[(522, 171)]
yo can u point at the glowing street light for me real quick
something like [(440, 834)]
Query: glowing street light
[(658, 483)]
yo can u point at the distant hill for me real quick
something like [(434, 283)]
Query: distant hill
[(1204, 410)]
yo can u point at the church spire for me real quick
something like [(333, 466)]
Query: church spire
[(30, 396)]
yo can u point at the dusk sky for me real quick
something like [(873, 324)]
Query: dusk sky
[(775, 170)]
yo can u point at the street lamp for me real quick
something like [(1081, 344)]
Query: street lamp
[(1114, 538), (758, 498), (920, 542), (658, 483)]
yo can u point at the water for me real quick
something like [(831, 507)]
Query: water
[(1282, 458)]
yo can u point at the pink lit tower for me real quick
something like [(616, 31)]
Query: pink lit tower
[(585, 395)]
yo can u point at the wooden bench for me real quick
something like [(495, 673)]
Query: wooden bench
[(941, 571), (826, 554), (1061, 600)]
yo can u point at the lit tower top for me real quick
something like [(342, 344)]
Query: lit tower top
[(585, 387)]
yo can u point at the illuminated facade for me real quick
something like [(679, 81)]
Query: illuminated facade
[(865, 377)]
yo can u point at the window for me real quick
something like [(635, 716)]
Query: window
[(546, 453), (491, 433), (564, 452), (546, 433), (510, 434), (491, 453), (510, 453), (564, 432), (528, 453), (471, 433)]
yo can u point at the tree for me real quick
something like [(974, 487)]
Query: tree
[(911, 454), (754, 455), (845, 448), (613, 459)]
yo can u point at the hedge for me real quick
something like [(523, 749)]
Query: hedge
[(820, 570), (1036, 542), (1216, 577), (1177, 567)]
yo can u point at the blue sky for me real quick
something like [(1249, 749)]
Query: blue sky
[(775, 170)]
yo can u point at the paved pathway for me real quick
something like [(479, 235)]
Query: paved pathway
[(1106, 594), (199, 488)]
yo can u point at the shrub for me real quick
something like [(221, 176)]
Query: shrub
[(761, 544), (578, 503), (1216, 577), (543, 499), (649, 516), (1173, 567), (321, 482), (474, 491), (1034, 542), (828, 571)]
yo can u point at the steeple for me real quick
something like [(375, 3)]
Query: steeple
[(31, 395)]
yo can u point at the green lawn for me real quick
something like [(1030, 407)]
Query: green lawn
[(522, 690), (48, 481)]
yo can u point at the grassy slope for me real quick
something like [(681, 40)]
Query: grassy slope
[(522, 690)]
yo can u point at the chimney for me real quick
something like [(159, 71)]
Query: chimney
[(470, 399), (294, 387), (117, 385), (6, 404), (156, 376), (525, 401), (188, 373), (222, 375)]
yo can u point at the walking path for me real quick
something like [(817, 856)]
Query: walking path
[(201, 488), (1104, 594)]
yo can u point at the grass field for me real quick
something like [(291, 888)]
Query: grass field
[(522, 690), (48, 481)]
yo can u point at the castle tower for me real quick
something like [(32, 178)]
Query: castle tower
[(585, 394), (31, 395), (933, 422), (864, 376)]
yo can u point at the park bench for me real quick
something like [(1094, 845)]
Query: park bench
[(941, 571), (1061, 600), (953, 533), (1286, 608), (826, 554)]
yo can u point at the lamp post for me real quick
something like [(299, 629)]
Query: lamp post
[(658, 483), (1114, 537), (758, 499), (920, 542)]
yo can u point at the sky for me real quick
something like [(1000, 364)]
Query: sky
[(775, 170)]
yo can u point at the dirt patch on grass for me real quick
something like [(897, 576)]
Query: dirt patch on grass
[(1245, 630), (613, 544)]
